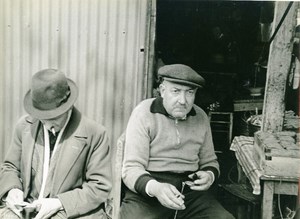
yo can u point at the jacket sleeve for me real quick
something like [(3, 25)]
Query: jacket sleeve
[(97, 180), (10, 170)]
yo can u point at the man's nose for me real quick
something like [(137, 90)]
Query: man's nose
[(182, 98)]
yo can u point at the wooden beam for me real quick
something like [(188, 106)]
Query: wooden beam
[(278, 68), (150, 49)]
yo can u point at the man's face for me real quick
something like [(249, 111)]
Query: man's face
[(178, 99), (56, 123)]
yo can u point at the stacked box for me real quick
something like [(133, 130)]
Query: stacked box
[(277, 154)]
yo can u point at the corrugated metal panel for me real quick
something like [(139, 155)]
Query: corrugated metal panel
[(97, 43)]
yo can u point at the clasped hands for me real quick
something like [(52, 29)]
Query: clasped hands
[(169, 196), (45, 207)]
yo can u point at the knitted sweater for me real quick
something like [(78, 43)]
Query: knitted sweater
[(156, 142)]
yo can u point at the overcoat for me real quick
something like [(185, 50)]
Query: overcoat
[(82, 178)]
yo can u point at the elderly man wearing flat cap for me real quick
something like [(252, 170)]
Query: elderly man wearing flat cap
[(58, 165), (169, 160)]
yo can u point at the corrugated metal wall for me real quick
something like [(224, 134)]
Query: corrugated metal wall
[(100, 44)]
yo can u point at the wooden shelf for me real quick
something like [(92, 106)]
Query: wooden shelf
[(248, 104)]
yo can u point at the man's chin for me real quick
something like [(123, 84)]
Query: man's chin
[(179, 115)]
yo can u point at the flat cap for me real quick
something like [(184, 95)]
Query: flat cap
[(181, 74)]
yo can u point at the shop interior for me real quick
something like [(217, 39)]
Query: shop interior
[(227, 42)]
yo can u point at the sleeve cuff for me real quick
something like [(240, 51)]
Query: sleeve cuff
[(141, 183), (147, 187)]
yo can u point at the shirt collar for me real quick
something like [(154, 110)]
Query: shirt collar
[(158, 107)]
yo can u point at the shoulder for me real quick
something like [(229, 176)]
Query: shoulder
[(26, 120), (143, 107), (199, 110), (82, 126), (24, 125), (94, 133), (92, 126), (200, 113), (145, 103)]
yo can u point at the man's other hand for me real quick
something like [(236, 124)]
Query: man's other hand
[(202, 180), (15, 201), (46, 207)]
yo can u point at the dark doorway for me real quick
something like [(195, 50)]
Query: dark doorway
[(221, 40)]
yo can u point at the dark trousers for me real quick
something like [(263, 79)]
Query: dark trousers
[(199, 204)]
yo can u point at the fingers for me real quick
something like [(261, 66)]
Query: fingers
[(38, 206), (15, 208), (176, 192), (14, 201), (200, 187), (15, 196), (198, 175), (170, 197), (202, 181), (46, 207), (173, 203)]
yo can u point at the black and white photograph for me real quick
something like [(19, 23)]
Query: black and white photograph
[(149, 109)]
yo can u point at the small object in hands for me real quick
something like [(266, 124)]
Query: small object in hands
[(195, 176), (190, 183)]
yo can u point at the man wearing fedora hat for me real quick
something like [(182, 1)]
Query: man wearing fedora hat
[(58, 165), (169, 161)]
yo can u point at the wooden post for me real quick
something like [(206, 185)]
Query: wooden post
[(150, 56), (278, 68)]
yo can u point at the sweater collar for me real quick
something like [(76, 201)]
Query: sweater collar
[(158, 107)]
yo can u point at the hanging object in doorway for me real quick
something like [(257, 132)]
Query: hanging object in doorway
[(266, 20)]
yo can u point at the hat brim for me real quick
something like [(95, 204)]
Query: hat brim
[(183, 82), (50, 114)]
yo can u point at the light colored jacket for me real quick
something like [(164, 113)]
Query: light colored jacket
[(82, 179)]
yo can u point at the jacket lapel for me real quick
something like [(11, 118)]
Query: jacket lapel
[(29, 136), (73, 142)]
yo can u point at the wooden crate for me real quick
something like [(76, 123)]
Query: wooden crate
[(275, 160)]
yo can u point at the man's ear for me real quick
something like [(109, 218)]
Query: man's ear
[(162, 88)]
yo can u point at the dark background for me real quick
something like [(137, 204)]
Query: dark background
[(221, 40)]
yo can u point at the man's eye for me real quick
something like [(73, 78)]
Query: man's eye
[(191, 92), (175, 91)]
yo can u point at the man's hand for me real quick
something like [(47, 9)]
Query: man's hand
[(167, 195), (46, 207), (202, 180), (15, 201)]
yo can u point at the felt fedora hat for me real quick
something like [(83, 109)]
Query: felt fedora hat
[(51, 94), (181, 74)]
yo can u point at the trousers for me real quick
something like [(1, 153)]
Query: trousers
[(199, 204)]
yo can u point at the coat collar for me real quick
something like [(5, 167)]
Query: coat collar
[(158, 107)]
